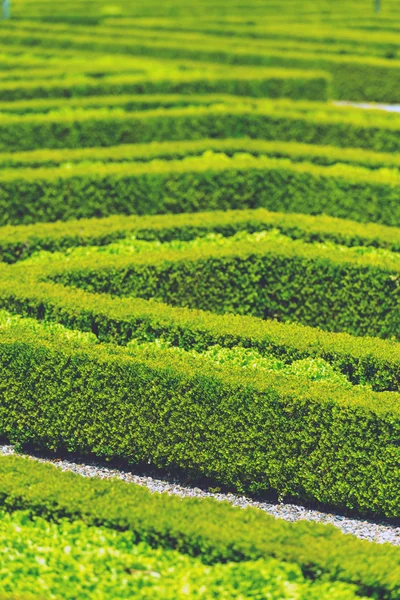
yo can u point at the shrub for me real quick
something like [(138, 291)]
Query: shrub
[(197, 184), (214, 531)]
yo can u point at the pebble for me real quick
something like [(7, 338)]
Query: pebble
[(373, 531)]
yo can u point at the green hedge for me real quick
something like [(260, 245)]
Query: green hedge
[(125, 101), (80, 13), (320, 155), (115, 320), (340, 128), (354, 77), (20, 597), (17, 242), (297, 438), (59, 68), (321, 34), (195, 184), (288, 280), (275, 83), (108, 564), (212, 530), (119, 320), (325, 34)]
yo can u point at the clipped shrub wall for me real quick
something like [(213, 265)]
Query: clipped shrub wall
[(103, 128), (213, 530), (198, 184), (295, 438)]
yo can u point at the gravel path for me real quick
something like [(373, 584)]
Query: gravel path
[(387, 107), (373, 531)]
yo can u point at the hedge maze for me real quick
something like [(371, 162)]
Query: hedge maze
[(199, 277)]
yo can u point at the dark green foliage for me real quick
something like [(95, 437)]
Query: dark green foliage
[(286, 124), (285, 280), (354, 77), (198, 184), (272, 83), (289, 436), (118, 320)]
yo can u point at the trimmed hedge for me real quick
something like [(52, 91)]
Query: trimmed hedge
[(323, 34), (108, 564), (215, 531), (130, 103), (289, 280), (374, 361), (17, 242), (273, 83), (320, 155), (196, 184), (342, 128), (119, 320), (285, 435), (354, 77), (98, 67)]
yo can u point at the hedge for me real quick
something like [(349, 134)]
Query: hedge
[(110, 563), (275, 83), (289, 280), (320, 155), (314, 33), (299, 439), (340, 128), (59, 68), (214, 531), (354, 77), (119, 320), (374, 361), (81, 13), (18, 242), (196, 184), (128, 102)]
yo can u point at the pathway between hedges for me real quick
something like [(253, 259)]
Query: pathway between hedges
[(373, 531)]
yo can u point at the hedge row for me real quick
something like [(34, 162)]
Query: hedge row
[(195, 184), (17, 242), (289, 280), (354, 77), (137, 102), (129, 103), (288, 436), (110, 563), (314, 33), (104, 128), (275, 83), (119, 320), (132, 31), (76, 12), (332, 289), (97, 68), (320, 155), (217, 532)]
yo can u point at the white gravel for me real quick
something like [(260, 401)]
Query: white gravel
[(369, 105), (373, 531)]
